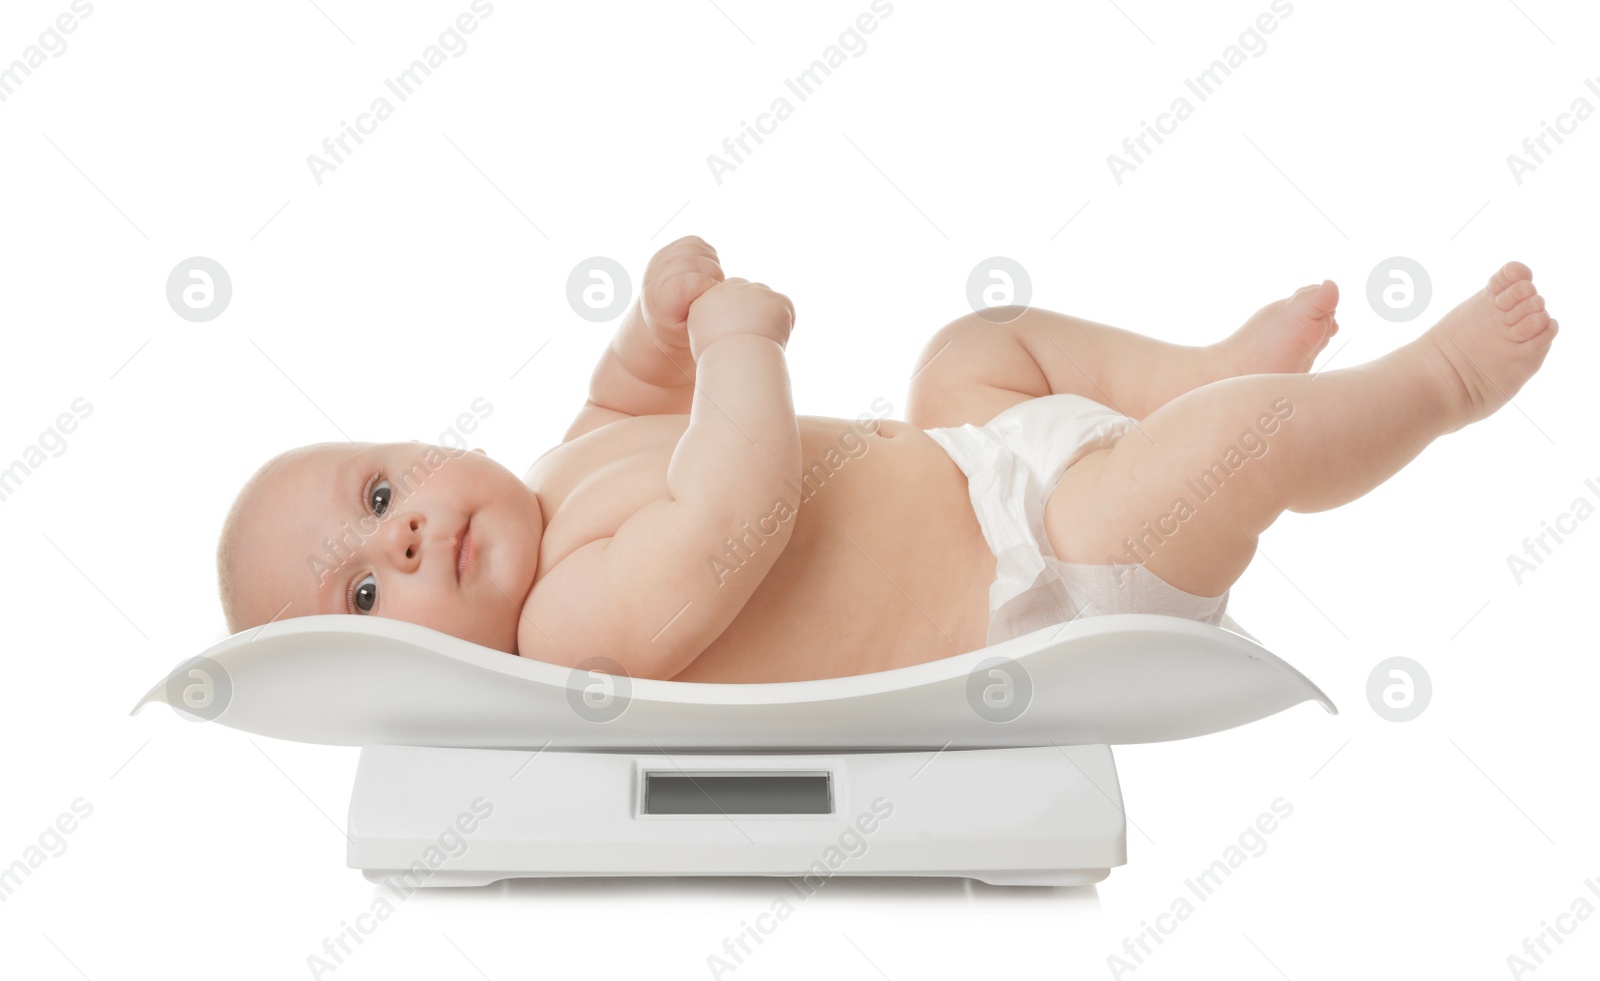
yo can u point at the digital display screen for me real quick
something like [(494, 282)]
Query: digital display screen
[(679, 792)]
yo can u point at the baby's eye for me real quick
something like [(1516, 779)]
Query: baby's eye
[(380, 496), (365, 594)]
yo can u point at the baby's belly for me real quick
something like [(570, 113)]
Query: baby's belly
[(886, 565)]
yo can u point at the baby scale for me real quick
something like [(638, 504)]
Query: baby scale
[(478, 766)]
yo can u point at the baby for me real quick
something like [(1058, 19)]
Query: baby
[(691, 527)]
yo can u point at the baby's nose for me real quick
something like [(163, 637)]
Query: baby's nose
[(403, 540)]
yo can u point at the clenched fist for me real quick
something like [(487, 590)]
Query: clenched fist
[(677, 276), (737, 306)]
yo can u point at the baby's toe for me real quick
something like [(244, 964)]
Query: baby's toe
[(1511, 272), (1529, 305), (1514, 294), (1320, 300), (1533, 324)]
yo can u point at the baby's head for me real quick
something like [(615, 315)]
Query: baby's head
[(378, 529)]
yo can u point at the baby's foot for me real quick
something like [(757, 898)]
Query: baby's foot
[(1493, 341), (1283, 337)]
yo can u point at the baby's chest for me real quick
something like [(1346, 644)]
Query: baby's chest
[(589, 486)]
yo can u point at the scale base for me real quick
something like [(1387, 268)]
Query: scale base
[(431, 817), (998, 877)]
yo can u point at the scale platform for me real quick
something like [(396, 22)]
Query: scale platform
[(478, 766)]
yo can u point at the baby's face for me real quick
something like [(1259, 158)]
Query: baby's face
[(444, 538)]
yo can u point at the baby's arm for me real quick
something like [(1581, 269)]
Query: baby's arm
[(648, 597), (647, 369)]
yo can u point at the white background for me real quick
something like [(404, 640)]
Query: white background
[(432, 264)]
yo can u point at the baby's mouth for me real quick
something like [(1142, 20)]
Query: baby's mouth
[(463, 550)]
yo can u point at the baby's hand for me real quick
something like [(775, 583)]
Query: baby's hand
[(675, 278), (738, 306)]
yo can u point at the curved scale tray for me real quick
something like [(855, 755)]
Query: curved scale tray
[(356, 681)]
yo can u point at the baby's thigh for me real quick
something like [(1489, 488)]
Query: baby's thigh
[(971, 371), (1132, 504)]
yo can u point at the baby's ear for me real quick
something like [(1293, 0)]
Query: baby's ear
[(479, 449)]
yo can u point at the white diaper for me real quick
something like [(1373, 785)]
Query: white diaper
[(1012, 464)]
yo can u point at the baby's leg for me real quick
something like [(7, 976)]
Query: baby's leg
[(1222, 462), (974, 368)]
